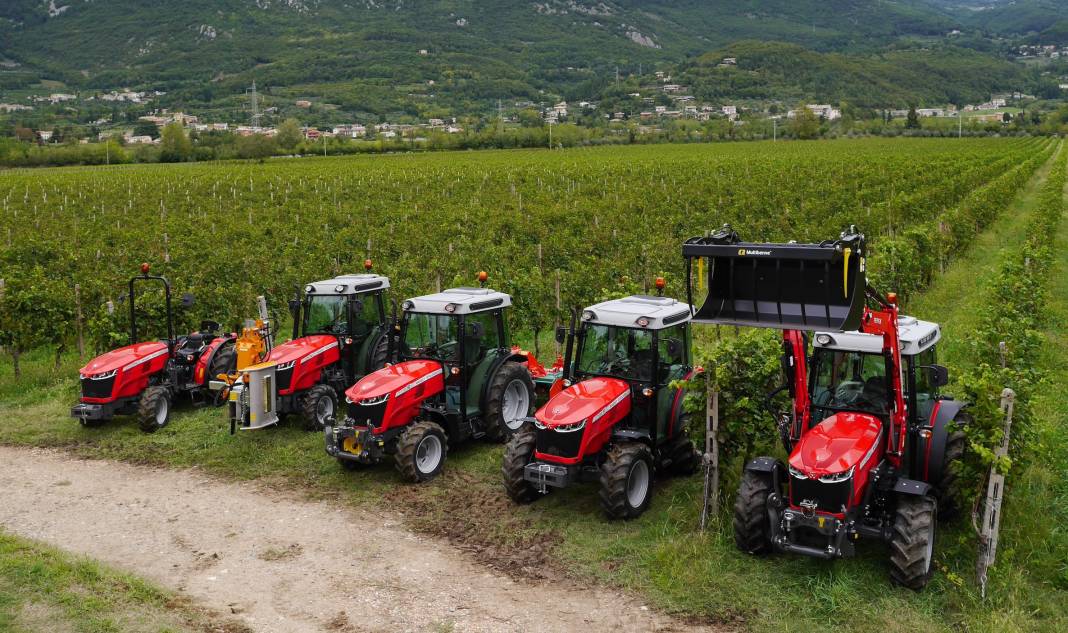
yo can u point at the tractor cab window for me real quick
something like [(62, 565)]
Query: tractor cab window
[(431, 335), (480, 336), (672, 345), (625, 353), (365, 316), (850, 381), (926, 393), (326, 314)]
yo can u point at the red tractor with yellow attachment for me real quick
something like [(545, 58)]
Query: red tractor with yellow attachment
[(871, 442), (144, 377)]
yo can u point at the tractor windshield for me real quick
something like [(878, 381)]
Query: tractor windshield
[(625, 353), (849, 381), (325, 314), (431, 335)]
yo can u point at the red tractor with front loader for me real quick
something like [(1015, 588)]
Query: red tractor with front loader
[(619, 419), (340, 333), (144, 377), (871, 443), (457, 378)]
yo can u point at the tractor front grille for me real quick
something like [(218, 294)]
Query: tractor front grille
[(282, 378), (550, 442), (829, 497), (98, 388), (367, 415)]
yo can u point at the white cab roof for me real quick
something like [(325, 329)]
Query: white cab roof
[(661, 312), (915, 336), (462, 301), (348, 284)]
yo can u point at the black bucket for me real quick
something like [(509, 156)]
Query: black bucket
[(783, 286)]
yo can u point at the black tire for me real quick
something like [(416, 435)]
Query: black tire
[(912, 543), (413, 457), (948, 487), (154, 409), (501, 421), (685, 458), (318, 406), (223, 362), (518, 452), (752, 534), (622, 495), (379, 354)]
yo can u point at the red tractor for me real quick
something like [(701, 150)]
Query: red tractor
[(144, 378), (340, 334), (871, 442), (619, 419), (457, 378)]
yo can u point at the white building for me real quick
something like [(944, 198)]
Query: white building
[(729, 110), (561, 109)]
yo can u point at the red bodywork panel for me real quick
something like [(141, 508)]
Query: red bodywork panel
[(843, 441), (407, 384), (133, 364), (310, 354), (200, 373), (602, 402)]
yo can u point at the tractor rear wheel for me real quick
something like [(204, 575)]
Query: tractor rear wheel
[(751, 529), (949, 493), (685, 458), (379, 354), (912, 543), (508, 400), (518, 452), (627, 481), (319, 406), (421, 451), (223, 362), (154, 409)]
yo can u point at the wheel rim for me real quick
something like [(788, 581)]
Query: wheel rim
[(324, 409), (428, 454), (638, 483), (515, 404), (161, 411)]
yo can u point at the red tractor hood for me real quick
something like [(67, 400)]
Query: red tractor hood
[(590, 399), (391, 380), (840, 442), (302, 347), (124, 357)]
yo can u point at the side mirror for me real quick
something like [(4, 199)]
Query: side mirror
[(937, 375), (209, 326), (294, 306), (674, 348), (561, 334), (475, 329), (187, 300)]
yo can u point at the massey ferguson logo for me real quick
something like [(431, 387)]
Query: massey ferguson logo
[(748, 251)]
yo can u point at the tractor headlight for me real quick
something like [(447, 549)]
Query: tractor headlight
[(339, 288), (285, 366), (450, 307), (797, 473), (407, 305), (837, 477), (367, 402), (571, 428), (824, 339), (643, 321), (309, 289), (105, 375), (539, 425), (588, 315)]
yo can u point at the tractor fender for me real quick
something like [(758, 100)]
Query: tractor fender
[(769, 467), (632, 435), (944, 414), (200, 372), (911, 487), (486, 378)]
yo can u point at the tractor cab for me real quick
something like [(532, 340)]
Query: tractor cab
[(456, 378), (619, 419), (870, 441), (340, 334)]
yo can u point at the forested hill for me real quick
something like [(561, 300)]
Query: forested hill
[(382, 56)]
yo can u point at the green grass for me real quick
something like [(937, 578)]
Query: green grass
[(45, 589), (662, 556)]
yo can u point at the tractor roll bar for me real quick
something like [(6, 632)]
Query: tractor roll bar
[(773, 285), (144, 276)]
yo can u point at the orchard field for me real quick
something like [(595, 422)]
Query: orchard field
[(967, 231)]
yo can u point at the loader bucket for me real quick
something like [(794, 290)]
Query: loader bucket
[(784, 286)]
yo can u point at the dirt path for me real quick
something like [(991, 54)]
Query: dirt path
[(282, 564)]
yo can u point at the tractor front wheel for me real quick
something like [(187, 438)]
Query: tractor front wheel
[(508, 401), (421, 451), (154, 410), (518, 452), (751, 529), (912, 544), (627, 481), (319, 405)]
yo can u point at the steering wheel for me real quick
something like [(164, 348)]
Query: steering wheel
[(621, 365)]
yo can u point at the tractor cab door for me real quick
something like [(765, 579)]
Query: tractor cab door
[(673, 363), (365, 319), (923, 392), (483, 341)]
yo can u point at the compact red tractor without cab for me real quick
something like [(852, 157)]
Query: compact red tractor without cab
[(870, 440), (457, 378), (619, 420), (340, 333), (143, 378)]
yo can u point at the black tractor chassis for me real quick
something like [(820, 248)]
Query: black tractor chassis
[(374, 448), (105, 411)]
